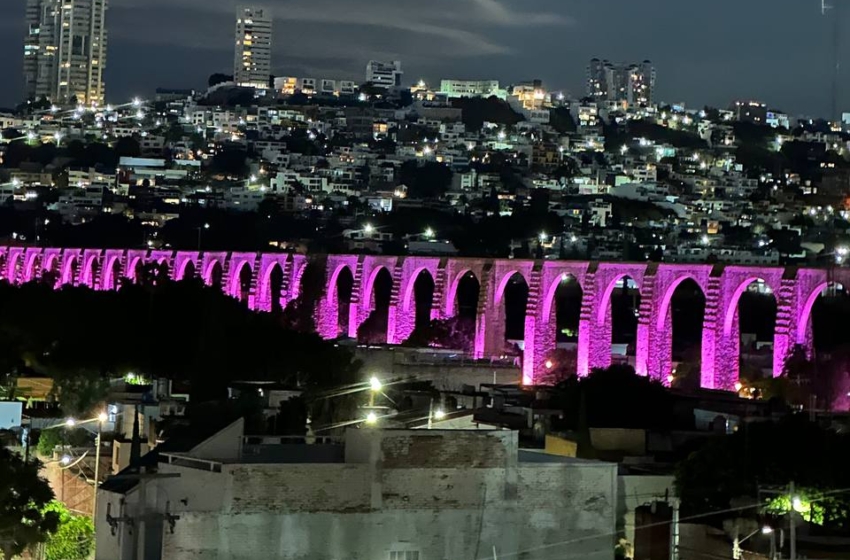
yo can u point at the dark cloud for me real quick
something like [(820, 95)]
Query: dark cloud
[(705, 51)]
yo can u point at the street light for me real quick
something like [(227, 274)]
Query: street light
[(371, 418), (369, 229), (736, 544), (200, 229)]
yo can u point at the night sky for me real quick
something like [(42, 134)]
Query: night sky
[(705, 51)]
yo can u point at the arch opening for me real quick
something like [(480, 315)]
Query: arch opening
[(245, 278), (515, 299), (625, 310), (189, 271), (275, 287), (91, 275), (71, 271), (755, 312), (216, 275), (344, 289), (565, 316), (423, 297), (466, 296), (112, 274), (686, 313), (374, 329)]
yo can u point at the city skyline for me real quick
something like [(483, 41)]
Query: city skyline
[(702, 57)]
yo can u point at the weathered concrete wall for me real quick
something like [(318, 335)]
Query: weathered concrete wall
[(325, 514), (470, 498)]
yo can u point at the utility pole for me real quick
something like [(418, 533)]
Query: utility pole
[(674, 529), (142, 520), (793, 522)]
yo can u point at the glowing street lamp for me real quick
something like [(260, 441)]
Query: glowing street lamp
[(369, 229), (429, 233), (371, 418), (737, 553), (543, 237)]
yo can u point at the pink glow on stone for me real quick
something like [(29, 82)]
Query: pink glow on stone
[(796, 291)]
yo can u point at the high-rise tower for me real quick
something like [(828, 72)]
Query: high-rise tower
[(65, 50), (252, 63)]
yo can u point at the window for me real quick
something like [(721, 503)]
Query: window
[(404, 555)]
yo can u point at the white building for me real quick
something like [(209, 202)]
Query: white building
[(471, 88), (381, 494), (65, 50), (253, 57), (384, 74)]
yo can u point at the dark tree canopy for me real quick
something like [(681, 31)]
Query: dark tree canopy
[(24, 521)]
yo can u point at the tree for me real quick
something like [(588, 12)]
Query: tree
[(127, 146), (73, 539), (49, 439), (219, 78), (731, 467), (24, 521)]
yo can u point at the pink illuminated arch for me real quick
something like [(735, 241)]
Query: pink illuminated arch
[(451, 297), (14, 266), (668, 297), (411, 283), (209, 273), (111, 272), (184, 272), (90, 271), (266, 281), (69, 269), (731, 310), (549, 300), (369, 289), (331, 292), (602, 313), (503, 283), (805, 314)]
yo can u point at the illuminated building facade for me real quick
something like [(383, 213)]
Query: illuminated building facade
[(384, 74), (630, 83), (65, 50), (252, 64)]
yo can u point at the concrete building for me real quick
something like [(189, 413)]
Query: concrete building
[(383, 494), (252, 63), (65, 50), (471, 88), (633, 84), (384, 74)]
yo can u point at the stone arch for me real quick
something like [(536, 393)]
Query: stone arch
[(336, 312), (214, 274), (409, 292), (667, 298), (732, 307), (376, 302), (70, 269), (240, 282), (804, 316), (274, 284), (452, 301), (134, 266), (187, 271), (92, 268), (610, 319), (111, 274), (15, 265), (504, 281), (663, 333)]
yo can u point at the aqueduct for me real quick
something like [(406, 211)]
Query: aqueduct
[(270, 281)]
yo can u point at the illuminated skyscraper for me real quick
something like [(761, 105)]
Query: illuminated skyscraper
[(65, 50), (252, 64), (630, 83)]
